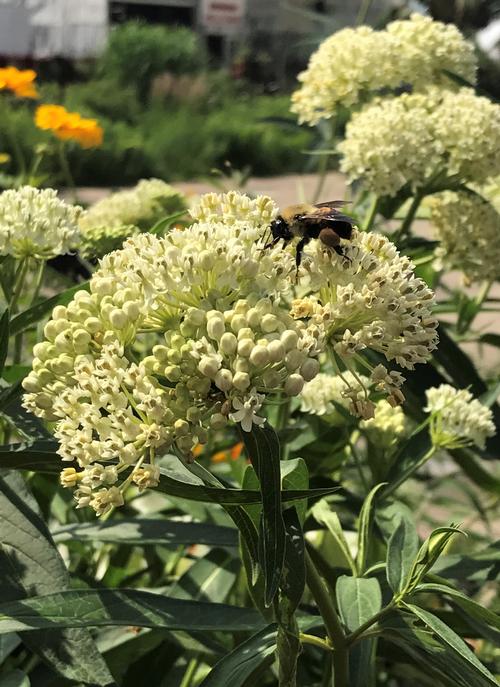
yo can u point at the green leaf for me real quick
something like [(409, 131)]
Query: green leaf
[(164, 224), (143, 531), (4, 338), (126, 607), (429, 656), (322, 512), (358, 599), (29, 426), (262, 447), (365, 528), (449, 637), (240, 665), (401, 552), (295, 475), (294, 570), (41, 456), (15, 679), (37, 312), (210, 578), (478, 566), (30, 564), (429, 553), (410, 453), (471, 466), (469, 605)]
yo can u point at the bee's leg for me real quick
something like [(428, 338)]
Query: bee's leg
[(272, 243), (298, 254), (340, 251)]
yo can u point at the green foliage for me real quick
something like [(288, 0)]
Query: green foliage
[(138, 52)]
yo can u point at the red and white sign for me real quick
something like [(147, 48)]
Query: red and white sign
[(222, 17)]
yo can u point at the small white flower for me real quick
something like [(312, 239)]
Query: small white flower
[(246, 411)]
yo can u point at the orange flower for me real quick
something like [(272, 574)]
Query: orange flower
[(19, 81), (69, 126), (231, 454)]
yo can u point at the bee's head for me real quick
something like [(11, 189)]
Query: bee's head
[(280, 229)]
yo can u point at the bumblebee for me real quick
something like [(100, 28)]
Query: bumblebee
[(307, 222)]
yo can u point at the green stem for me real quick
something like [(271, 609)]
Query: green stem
[(333, 626), (322, 171), (315, 641), (363, 12), (408, 473), (354, 636), (38, 281), (372, 213), (18, 283), (404, 230), (63, 159), (190, 673)]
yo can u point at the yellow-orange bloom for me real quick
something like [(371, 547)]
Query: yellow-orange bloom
[(230, 454), (19, 81), (69, 126)]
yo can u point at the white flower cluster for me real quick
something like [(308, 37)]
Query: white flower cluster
[(457, 418), (468, 228), (36, 223), (107, 223), (370, 298), (181, 335), (354, 63), (414, 137), (325, 392)]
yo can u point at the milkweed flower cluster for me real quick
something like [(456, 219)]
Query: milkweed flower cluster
[(457, 418), (353, 64), (69, 126), (323, 395), (36, 223), (211, 306), (107, 223), (21, 82), (468, 228), (415, 138)]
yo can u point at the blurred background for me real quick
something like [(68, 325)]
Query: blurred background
[(190, 89)]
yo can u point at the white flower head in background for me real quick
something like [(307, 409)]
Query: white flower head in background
[(457, 418), (35, 223), (352, 65), (468, 228)]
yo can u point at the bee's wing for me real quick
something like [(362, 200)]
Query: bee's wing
[(333, 215), (333, 204)]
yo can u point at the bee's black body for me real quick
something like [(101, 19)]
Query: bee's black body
[(307, 222)]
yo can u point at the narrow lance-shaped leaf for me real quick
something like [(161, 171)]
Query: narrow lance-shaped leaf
[(449, 637), (127, 607), (325, 516), (237, 667), (263, 449), (30, 564), (41, 456), (365, 528), (40, 310), (143, 531)]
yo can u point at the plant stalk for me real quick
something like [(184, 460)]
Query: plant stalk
[(65, 168), (408, 473), (404, 230), (333, 626), (372, 213)]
